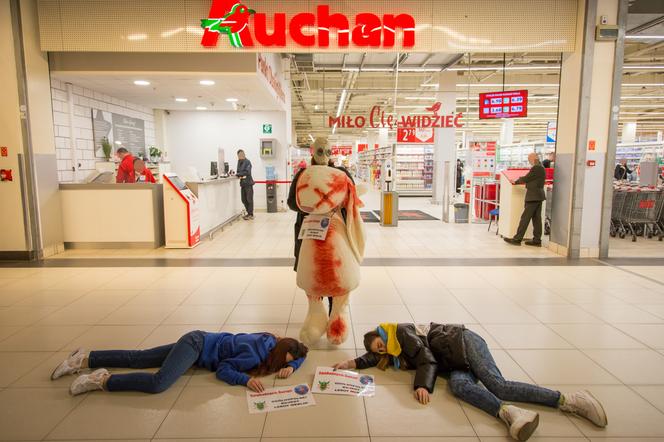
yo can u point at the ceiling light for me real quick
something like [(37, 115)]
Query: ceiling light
[(641, 67), (429, 85), (232, 100), (181, 100), (206, 82), (141, 83), (136, 37), (506, 68), (644, 37), (201, 108), (420, 98), (506, 85), (640, 97), (118, 142), (642, 84), (311, 137)]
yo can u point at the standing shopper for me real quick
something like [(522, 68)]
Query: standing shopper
[(464, 356), (246, 183), (126, 172), (534, 181), (237, 359), (622, 171)]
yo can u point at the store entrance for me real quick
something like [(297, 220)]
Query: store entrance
[(379, 111)]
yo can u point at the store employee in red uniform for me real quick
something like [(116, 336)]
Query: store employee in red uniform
[(143, 174), (126, 169)]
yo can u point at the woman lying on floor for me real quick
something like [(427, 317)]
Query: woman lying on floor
[(237, 359), (464, 356)]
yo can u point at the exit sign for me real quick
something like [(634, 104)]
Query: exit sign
[(267, 128)]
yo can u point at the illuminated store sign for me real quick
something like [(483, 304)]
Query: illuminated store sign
[(378, 118), (511, 104), (248, 28)]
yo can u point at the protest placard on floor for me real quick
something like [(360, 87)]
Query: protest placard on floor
[(331, 381), (280, 398)]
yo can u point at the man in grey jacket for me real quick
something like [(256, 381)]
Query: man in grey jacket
[(534, 181), (246, 183)]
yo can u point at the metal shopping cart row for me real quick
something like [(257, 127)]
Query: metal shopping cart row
[(637, 211)]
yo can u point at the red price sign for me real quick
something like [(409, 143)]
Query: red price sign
[(511, 104), (4, 151), (415, 135)]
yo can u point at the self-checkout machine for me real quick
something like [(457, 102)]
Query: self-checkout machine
[(181, 218), (389, 199)]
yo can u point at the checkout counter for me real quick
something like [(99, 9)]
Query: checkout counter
[(105, 215), (219, 202), (512, 200), (112, 216)]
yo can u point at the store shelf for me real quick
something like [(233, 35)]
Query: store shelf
[(414, 169)]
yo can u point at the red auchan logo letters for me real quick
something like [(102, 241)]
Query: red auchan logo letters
[(248, 28)]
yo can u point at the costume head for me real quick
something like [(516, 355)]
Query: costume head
[(321, 152)]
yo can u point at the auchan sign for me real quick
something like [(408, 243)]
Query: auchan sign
[(248, 28)]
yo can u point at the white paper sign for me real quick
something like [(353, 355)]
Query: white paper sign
[(280, 398), (331, 381), (315, 227)]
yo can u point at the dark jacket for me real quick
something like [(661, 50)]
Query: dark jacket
[(292, 204), (244, 170), (621, 172), (534, 181), (441, 350)]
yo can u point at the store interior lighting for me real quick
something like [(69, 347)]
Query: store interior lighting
[(142, 83), (206, 82)]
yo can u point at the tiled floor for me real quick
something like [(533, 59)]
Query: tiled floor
[(566, 327)]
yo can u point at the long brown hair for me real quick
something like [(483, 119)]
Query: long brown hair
[(276, 359)]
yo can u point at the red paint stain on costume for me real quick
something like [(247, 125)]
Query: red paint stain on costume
[(326, 278), (337, 328)]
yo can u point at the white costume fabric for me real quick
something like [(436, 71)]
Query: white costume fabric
[(329, 267)]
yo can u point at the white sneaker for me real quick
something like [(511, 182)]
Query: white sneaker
[(89, 382), (70, 365), (584, 404), (522, 423)]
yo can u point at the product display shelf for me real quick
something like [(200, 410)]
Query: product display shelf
[(414, 169), (370, 161), (635, 152), (516, 155)]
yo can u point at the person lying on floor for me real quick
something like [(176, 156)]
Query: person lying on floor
[(237, 359), (464, 356)]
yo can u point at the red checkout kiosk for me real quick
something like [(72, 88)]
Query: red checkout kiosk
[(181, 218)]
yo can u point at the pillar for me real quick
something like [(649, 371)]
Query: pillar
[(587, 128), (33, 226), (444, 143), (628, 133), (507, 133)]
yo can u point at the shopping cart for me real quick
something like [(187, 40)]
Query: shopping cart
[(641, 218), (617, 210), (547, 210)]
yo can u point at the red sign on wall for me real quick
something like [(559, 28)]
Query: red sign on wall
[(4, 151), (510, 104), (412, 135), (342, 150)]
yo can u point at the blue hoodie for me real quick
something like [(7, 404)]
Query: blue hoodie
[(231, 356)]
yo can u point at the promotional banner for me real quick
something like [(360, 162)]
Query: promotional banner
[(331, 381), (280, 398), (415, 135)]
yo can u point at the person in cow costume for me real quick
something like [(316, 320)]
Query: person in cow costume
[(328, 266)]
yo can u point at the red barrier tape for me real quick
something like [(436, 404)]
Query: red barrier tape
[(272, 182)]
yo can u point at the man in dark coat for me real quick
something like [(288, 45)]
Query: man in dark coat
[(621, 172), (246, 184), (534, 181)]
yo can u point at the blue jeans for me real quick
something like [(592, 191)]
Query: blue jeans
[(173, 361), (483, 368)]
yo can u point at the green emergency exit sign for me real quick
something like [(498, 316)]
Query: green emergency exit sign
[(267, 128)]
